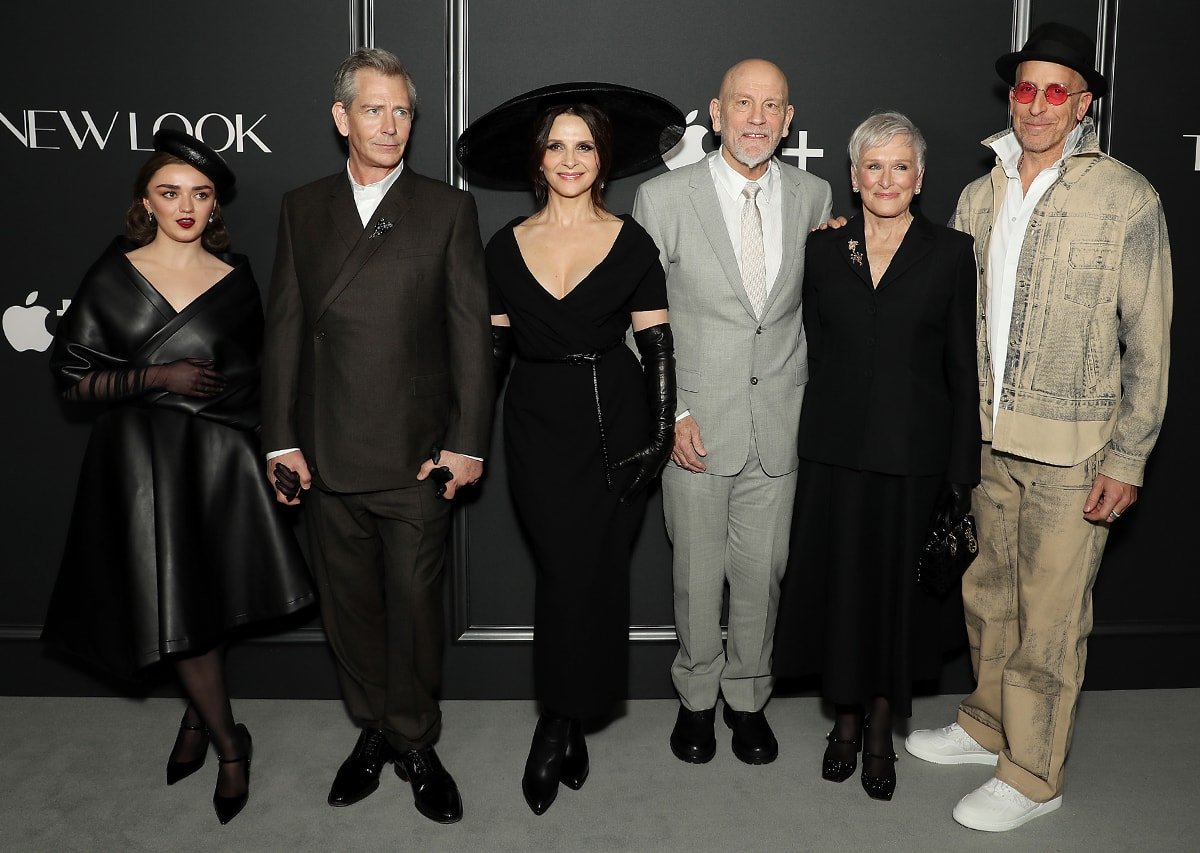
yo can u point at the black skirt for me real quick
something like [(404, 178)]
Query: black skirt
[(850, 609)]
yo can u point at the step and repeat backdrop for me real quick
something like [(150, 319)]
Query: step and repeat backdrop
[(87, 91)]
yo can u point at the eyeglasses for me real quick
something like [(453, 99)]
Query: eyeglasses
[(1056, 93)]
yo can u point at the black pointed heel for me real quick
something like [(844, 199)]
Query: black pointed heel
[(177, 770), (228, 808), (575, 765)]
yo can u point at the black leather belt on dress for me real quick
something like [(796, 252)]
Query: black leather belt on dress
[(591, 358)]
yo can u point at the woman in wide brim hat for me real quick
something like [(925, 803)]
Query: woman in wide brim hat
[(586, 427), (175, 542)]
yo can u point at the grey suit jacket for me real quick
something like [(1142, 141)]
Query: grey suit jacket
[(738, 376), (377, 340)]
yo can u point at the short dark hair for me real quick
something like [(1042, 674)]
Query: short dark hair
[(140, 228), (600, 128)]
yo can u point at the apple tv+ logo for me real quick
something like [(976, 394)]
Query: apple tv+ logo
[(25, 325)]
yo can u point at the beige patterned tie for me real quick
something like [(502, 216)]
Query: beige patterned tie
[(754, 257)]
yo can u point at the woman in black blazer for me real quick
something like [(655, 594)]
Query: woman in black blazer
[(889, 438)]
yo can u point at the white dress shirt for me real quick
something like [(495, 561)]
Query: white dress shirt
[(1004, 247), (729, 186), (367, 198)]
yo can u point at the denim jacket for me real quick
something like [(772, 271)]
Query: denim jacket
[(1094, 276)]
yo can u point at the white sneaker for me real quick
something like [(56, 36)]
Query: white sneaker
[(948, 745), (996, 806)]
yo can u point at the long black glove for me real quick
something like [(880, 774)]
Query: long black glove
[(953, 503), (189, 377), (502, 350), (657, 347)]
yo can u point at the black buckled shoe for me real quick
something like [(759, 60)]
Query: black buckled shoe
[(753, 740), (177, 770), (358, 777), (841, 757), (434, 793), (693, 739), (227, 808)]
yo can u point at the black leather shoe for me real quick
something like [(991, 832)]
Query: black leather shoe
[(227, 808), (692, 739), (358, 777), (841, 757), (575, 764), (177, 770), (543, 767), (434, 793), (753, 740)]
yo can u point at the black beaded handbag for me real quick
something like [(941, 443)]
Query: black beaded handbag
[(946, 555)]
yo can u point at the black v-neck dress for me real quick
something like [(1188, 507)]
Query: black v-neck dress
[(582, 535), (175, 537)]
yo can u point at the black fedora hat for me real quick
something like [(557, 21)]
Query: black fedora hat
[(195, 153), (1060, 44), (495, 148)]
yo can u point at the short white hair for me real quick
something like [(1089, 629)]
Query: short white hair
[(879, 129)]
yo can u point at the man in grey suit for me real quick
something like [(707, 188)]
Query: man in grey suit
[(377, 349), (731, 231)]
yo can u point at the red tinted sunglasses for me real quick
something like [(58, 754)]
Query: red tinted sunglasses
[(1056, 93)]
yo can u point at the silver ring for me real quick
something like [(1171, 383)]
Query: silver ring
[(1114, 515)]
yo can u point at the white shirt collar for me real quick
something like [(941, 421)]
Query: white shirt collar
[(732, 183), (1008, 149), (379, 188)]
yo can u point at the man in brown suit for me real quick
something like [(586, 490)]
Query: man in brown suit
[(378, 354)]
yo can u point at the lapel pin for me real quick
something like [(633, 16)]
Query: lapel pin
[(383, 226), (855, 255)]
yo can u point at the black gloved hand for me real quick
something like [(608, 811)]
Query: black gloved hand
[(953, 503), (502, 350), (287, 481), (189, 377), (657, 347)]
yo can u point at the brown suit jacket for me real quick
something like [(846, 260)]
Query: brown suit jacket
[(377, 339)]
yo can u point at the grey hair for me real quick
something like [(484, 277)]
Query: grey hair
[(345, 84), (878, 129)]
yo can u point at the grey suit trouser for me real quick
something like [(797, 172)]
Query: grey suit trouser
[(378, 559), (735, 531)]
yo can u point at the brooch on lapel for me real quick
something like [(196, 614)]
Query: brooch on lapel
[(855, 255), (383, 226)]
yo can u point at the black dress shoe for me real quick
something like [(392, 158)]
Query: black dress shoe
[(177, 770), (841, 757), (753, 740), (575, 764), (227, 808), (543, 767), (882, 786), (692, 739), (358, 777), (434, 793)]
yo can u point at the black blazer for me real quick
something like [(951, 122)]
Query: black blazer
[(377, 340), (892, 376)]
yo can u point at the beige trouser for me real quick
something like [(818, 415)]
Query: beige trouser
[(1028, 603)]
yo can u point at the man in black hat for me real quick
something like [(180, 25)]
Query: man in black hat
[(1073, 346), (378, 349)]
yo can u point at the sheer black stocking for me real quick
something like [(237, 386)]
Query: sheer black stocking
[(847, 730), (203, 679), (877, 739)]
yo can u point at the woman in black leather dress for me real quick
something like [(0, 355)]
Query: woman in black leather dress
[(175, 540), (586, 427)]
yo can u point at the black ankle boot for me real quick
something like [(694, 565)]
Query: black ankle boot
[(575, 765), (543, 768)]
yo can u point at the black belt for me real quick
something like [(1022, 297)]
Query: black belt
[(591, 358)]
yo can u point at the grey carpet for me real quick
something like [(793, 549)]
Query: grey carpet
[(87, 775)]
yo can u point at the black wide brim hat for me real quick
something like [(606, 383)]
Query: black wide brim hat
[(195, 153), (495, 149), (1059, 44)]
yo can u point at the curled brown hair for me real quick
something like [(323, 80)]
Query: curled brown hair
[(141, 229), (600, 128)]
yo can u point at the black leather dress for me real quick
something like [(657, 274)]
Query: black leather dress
[(175, 537)]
